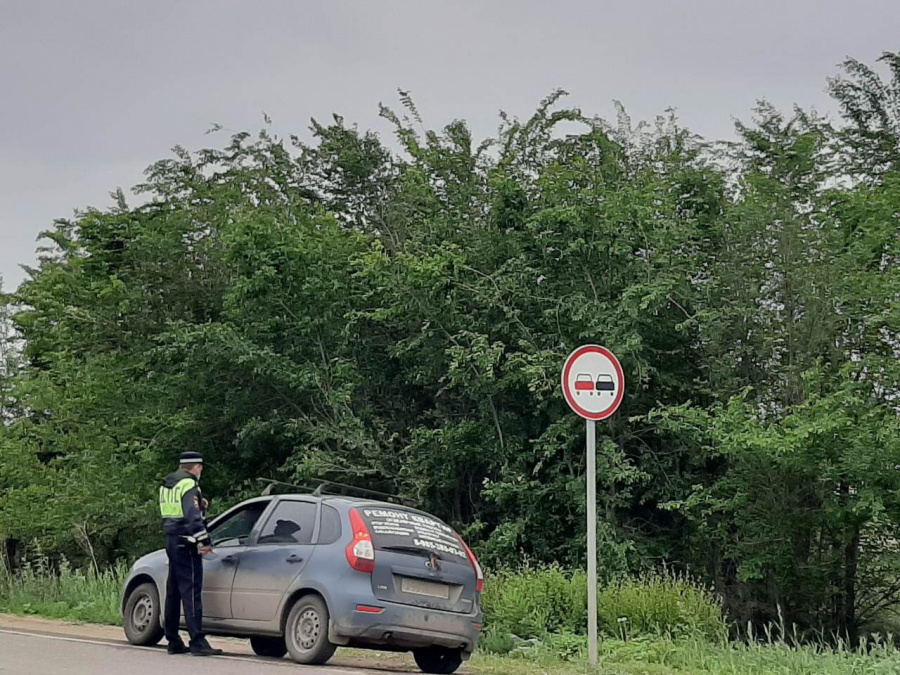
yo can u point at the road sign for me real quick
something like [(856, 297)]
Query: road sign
[(593, 384)]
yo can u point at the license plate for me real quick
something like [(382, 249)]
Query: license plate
[(429, 588)]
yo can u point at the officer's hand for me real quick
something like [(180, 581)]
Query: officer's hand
[(205, 504), (205, 550)]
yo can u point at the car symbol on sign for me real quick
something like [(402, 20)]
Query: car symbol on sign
[(584, 382), (606, 383)]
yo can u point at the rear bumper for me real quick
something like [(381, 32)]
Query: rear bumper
[(407, 627)]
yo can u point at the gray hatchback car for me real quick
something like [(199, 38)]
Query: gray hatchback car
[(303, 574)]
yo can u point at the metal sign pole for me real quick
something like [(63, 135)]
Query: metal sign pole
[(592, 540), (593, 383)]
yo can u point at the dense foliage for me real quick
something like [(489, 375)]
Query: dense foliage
[(395, 315)]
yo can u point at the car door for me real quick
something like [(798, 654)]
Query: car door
[(279, 554), (218, 576), (229, 535)]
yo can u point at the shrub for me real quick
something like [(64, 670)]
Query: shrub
[(549, 602), (660, 603), (532, 602)]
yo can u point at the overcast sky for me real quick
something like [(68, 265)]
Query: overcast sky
[(91, 91)]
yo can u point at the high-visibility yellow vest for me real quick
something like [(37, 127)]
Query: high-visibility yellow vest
[(170, 498)]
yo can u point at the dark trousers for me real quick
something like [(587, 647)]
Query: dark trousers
[(184, 586)]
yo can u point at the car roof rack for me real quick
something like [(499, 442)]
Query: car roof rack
[(342, 489), (324, 485), (272, 484)]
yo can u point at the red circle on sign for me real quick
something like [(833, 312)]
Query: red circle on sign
[(570, 399)]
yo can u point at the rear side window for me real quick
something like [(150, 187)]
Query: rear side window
[(330, 530), (399, 529), (292, 522)]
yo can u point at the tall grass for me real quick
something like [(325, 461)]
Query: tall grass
[(661, 603), (527, 603), (665, 655), (535, 619), (63, 593), (654, 655), (550, 603)]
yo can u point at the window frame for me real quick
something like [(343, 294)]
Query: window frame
[(270, 513), (234, 511)]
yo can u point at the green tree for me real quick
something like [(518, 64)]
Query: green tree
[(797, 480), (395, 316)]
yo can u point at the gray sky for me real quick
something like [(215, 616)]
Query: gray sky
[(91, 92)]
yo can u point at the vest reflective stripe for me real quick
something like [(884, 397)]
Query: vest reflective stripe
[(170, 498)]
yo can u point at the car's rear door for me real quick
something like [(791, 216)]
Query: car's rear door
[(419, 560), (269, 565)]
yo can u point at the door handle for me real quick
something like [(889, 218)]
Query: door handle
[(294, 559), (229, 560)]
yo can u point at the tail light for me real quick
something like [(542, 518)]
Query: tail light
[(479, 575), (360, 551)]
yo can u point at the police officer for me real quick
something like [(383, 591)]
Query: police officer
[(184, 520)]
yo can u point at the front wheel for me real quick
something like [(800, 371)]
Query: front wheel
[(268, 646), (438, 659), (306, 631), (141, 616)]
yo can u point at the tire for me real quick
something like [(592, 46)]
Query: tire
[(268, 646), (306, 631), (438, 659), (141, 616)]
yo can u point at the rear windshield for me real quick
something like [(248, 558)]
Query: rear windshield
[(393, 528)]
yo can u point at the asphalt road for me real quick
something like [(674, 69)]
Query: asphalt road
[(30, 653)]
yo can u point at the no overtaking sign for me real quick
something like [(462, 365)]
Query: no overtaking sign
[(593, 384)]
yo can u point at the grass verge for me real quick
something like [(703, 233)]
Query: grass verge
[(673, 626), (67, 593), (690, 656)]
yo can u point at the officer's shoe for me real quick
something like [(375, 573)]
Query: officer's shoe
[(205, 649), (177, 648)]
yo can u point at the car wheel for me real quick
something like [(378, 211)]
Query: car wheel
[(141, 616), (268, 646), (306, 631), (438, 659)]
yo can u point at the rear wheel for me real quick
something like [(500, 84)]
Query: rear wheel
[(268, 646), (141, 616), (306, 631), (438, 659)]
